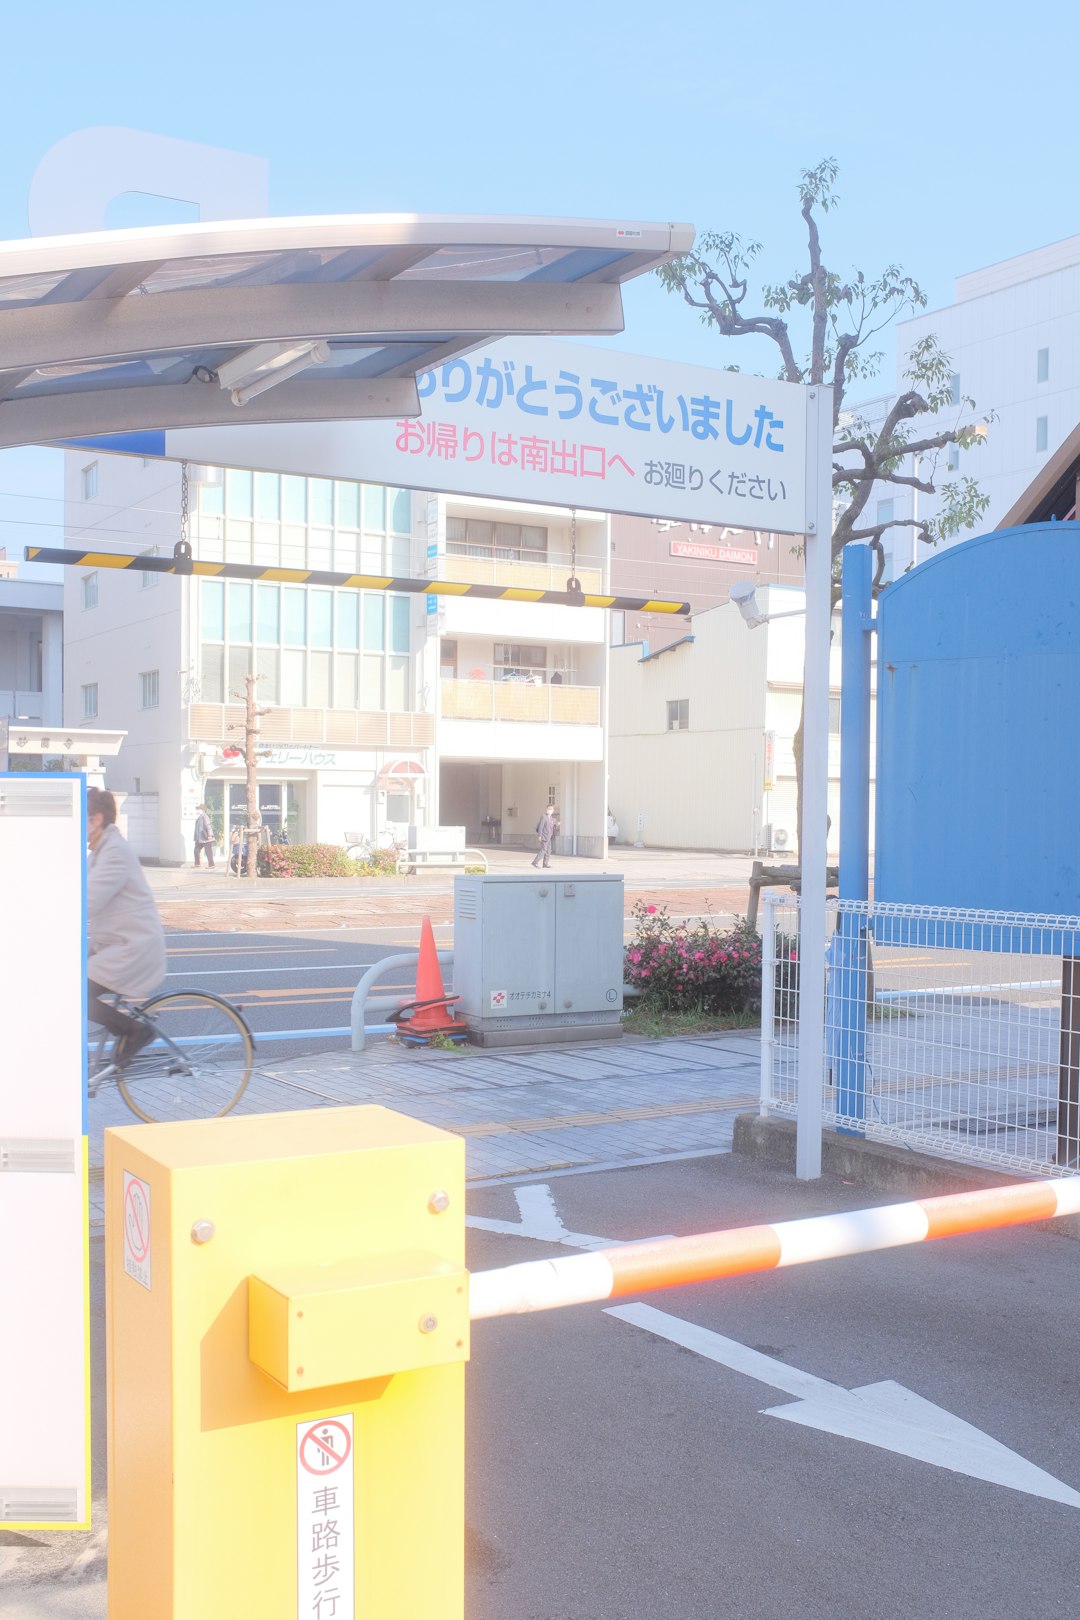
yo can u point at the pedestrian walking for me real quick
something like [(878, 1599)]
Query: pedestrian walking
[(545, 832), (204, 837)]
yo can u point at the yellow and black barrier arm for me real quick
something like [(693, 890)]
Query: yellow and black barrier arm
[(183, 563)]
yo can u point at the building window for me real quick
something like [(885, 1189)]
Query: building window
[(834, 716), (953, 458), (89, 590), (1041, 433), (954, 388), (884, 511), (510, 542), (149, 580), (1042, 366), (89, 701), (90, 481), (617, 621), (327, 649), (148, 686), (517, 658), (678, 715)]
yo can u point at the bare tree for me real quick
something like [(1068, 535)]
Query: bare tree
[(251, 753), (824, 327)]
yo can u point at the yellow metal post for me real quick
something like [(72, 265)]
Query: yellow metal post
[(288, 1326)]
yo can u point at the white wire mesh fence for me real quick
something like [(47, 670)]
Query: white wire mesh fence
[(953, 1032)]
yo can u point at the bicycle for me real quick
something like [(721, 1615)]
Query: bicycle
[(196, 1067), (363, 848)]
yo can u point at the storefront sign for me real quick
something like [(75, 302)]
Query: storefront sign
[(720, 554)]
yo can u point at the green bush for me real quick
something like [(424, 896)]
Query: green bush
[(307, 860), (682, 969)]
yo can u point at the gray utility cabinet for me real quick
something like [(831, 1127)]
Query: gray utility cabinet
[(538, 957)]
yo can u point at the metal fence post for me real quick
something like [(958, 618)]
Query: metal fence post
[(768, 999)]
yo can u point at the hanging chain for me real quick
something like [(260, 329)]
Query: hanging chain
[(184, 503), (182, 560), (573, 584)]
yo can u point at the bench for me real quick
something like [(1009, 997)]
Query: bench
[(438, 846), (412, 859)]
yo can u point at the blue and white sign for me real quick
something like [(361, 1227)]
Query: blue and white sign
[(563, 425)]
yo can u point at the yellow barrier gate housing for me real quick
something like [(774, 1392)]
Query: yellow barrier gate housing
[(288, 1324)]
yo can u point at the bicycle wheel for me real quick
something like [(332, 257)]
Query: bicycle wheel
[(199, 1064)]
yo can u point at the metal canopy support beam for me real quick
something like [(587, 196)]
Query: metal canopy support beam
[(140, 563), (117, 328), (44, 418)]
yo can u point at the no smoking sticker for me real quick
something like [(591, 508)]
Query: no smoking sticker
[(137, 1228)]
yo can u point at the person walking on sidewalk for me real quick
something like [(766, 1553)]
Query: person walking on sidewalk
[(204, 837), (545, 832)]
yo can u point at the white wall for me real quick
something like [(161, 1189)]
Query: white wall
[(1002, 317)]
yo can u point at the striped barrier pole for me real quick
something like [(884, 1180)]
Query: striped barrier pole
[(637, 1268), (138, 563)]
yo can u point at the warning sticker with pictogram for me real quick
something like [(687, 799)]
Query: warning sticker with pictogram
[(137, 1228), (325, 1535)]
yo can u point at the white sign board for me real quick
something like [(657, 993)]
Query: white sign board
[(325, 1533), (560, 424), (43, 1195)]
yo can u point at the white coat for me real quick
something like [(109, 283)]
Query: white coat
[(127, 941)]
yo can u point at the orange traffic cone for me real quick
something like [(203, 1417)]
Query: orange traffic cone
[(430, 1013)]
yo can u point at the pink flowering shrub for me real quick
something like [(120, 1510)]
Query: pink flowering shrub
[(319, 860), (679, 968)]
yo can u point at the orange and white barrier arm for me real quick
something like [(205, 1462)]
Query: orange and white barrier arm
[(636, 1268)]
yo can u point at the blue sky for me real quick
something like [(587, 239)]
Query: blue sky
[(953, 126)]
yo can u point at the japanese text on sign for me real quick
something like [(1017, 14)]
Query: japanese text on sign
[(325, 1535)]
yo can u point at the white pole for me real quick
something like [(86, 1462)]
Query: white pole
[(768, 999), (815, 783)]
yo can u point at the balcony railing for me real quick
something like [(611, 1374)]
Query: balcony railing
[(529, 576), (517, 700), (338, 728), (27, 704)]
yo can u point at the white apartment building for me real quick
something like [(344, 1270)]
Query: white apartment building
[(383, 708), (1013, 335), (31, 647), (702, 731)]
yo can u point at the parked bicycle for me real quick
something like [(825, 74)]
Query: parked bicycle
[(196, 1067), (362, 848)]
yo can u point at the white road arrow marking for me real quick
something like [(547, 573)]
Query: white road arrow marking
[(541, 1220), (885, 1414)]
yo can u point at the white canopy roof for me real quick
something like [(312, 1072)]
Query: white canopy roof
[(277, 320)]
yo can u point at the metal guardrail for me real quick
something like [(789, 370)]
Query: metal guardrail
[(361, 1002)]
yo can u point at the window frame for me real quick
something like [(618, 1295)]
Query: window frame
[(149, 676), (680, 720)]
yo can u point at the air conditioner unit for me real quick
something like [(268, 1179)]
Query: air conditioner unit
[(777, 838)]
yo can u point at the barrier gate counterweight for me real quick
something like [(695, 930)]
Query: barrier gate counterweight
[(288, 1327)]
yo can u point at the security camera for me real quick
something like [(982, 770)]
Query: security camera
[(744, 594)]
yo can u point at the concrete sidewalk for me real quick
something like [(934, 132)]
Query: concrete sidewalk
[(594, 1105)]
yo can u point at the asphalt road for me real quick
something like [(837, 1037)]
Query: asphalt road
[(295, 988), (613, 1475)]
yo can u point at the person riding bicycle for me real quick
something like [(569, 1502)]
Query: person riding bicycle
[(127, 941)]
